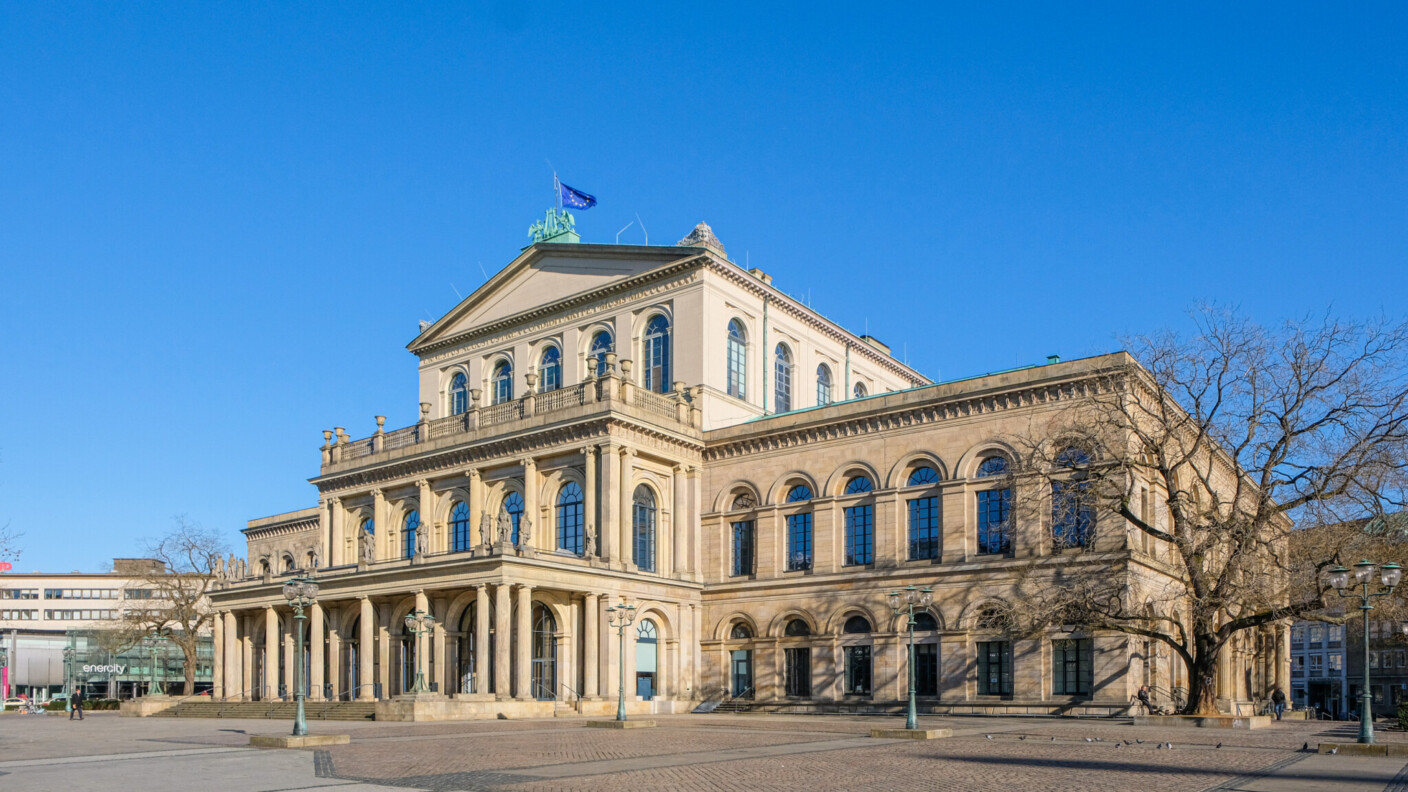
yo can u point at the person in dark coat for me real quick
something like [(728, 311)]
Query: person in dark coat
[(1278, 701), (76, 702), (1144, 700)]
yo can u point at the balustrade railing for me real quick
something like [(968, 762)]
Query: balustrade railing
[(399, 438), (655, 404), (446, 426), (554, 400), (501, 413)]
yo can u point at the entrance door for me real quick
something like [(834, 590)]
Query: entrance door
[(743, 673), (647, 659), (544, 676)]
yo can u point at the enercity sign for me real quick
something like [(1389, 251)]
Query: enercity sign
[(104, 669)]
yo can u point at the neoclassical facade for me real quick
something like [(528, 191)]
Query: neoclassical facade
[(655, 425)]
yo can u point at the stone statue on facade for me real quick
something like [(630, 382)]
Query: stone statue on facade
[(505, 528), (220, 569), (525, 529), (591, 542), (422, 541), (486, 532), (366, 547)]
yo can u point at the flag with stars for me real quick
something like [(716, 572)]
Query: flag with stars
[(575, 199)]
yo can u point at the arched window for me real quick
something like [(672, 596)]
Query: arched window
[(799, 530), (311, 560), (740, 632), (459, 527), (742, 501), (797, 628), (550, 370), (859, 391), (408, 531), (544, 654), (569, 518), (513, 509), (856, 624), (647, 659), (656, 349), (823, 385), (288, 563), (369, 526), (859, 525), (459, 394), (502, 382), (992, 617), (992, 466), (1071, 457), (924, 622), (602, 343), (782, 378), (737, 360), (923, 475), (858, 485), (643, 528)]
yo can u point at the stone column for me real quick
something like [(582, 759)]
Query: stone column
[(271, 653), (384, 549), (366, 650), (325, 542), (247, 659), (476, 509), (530, 503), (589, 494), (337, 543), (334, 676), (591, 642), (440, 676), (289, 662), (1283, 654), (503, 630), (610, 490), (316, 652), (624, 498), (383, 649), (217, 666), (426, 500), (522, 664), (679, 521), (234, 673), (696, 508), (483, 662)]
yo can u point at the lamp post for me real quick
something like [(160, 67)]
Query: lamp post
[(1389, 575), (301, 593), (419, 623), (620, 617), (903, 603), (4, 673), (68, 676)]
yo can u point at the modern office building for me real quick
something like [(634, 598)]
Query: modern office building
[(1318, 667), (659, 426)]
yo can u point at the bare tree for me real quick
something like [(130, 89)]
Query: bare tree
[(1207, 455), (9, 543), (173, 601)]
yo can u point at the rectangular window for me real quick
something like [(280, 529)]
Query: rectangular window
[(1336, 662), (743, 547), (19, 594), (1334, 635), (80, 593), (141, 594), (994, 516), (1317, 664), (1317, 635), (18, 615), (1072, 518), (858, 670), (1297, 636), (1373, 659), (1071, 667), (799, 541), (860, 535), (995, 668), (79, 615), (798, 672), (924, 528), (926, 669)]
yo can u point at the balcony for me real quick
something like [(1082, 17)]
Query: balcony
[(677, 412)]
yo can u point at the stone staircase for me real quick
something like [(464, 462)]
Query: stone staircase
[(272, 710)]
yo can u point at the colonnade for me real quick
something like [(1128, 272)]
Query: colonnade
[(559, 646)]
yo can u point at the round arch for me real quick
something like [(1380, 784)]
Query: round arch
[(778, 625), (842, 474), (721, 630), (968, 463), (899, 473), (967, 620), (839, 616), (778, 494), (724, 500)]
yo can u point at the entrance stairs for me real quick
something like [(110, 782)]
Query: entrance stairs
[(272, 710)]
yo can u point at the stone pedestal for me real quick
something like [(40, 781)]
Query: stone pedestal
[(1205, 721), (146, 705), (911, 734), (625, 724), (289, 741)]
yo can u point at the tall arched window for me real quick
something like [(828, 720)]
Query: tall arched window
[(859, 391), (550, 370), (859, 524), (643, 528), (799, 530), (459, 527), (782, 378), (647, 659), (408, 533), (923, 515), (544, 654), (656, 376), (503, 382), (602, 343), (994, 510), (737, 360), (459, 394), (823, 385), (569, 518), (513, 509)]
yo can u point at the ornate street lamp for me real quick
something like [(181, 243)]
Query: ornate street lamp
[(1389, 575), (620, 617), (301, 593), (419, 623), (68, 676), (903, 603)]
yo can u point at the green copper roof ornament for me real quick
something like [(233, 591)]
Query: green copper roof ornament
[(556, 226)]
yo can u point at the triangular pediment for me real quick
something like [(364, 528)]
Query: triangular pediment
[(544, 275)]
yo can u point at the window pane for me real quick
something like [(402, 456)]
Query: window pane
[(569, 518), (551, 370), (656, 376), (782, 384), (1072, 517), (860, 534), (995, 668), (459, 527), (924, 528), (798, 671), (857, 670), (994, 514), (926, 669), (799, 541), (743, 547), (823, 385), (643, 527), (601, 344), (737, 360)]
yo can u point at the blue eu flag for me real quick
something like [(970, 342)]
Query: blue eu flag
[(575, 199)]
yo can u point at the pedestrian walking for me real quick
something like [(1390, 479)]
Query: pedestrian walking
[(1278, 701), (76, 701), (1144, 699)]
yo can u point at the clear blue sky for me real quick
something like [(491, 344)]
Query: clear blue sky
[(220, 222)]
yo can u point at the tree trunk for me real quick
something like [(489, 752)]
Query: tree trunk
[(1202, 682), (189, 669)]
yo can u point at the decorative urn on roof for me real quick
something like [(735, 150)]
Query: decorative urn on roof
[(703, 236)]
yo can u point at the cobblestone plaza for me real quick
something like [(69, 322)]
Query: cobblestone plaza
[(691, 752)]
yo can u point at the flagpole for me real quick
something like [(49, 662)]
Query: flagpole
[(557, 190)]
